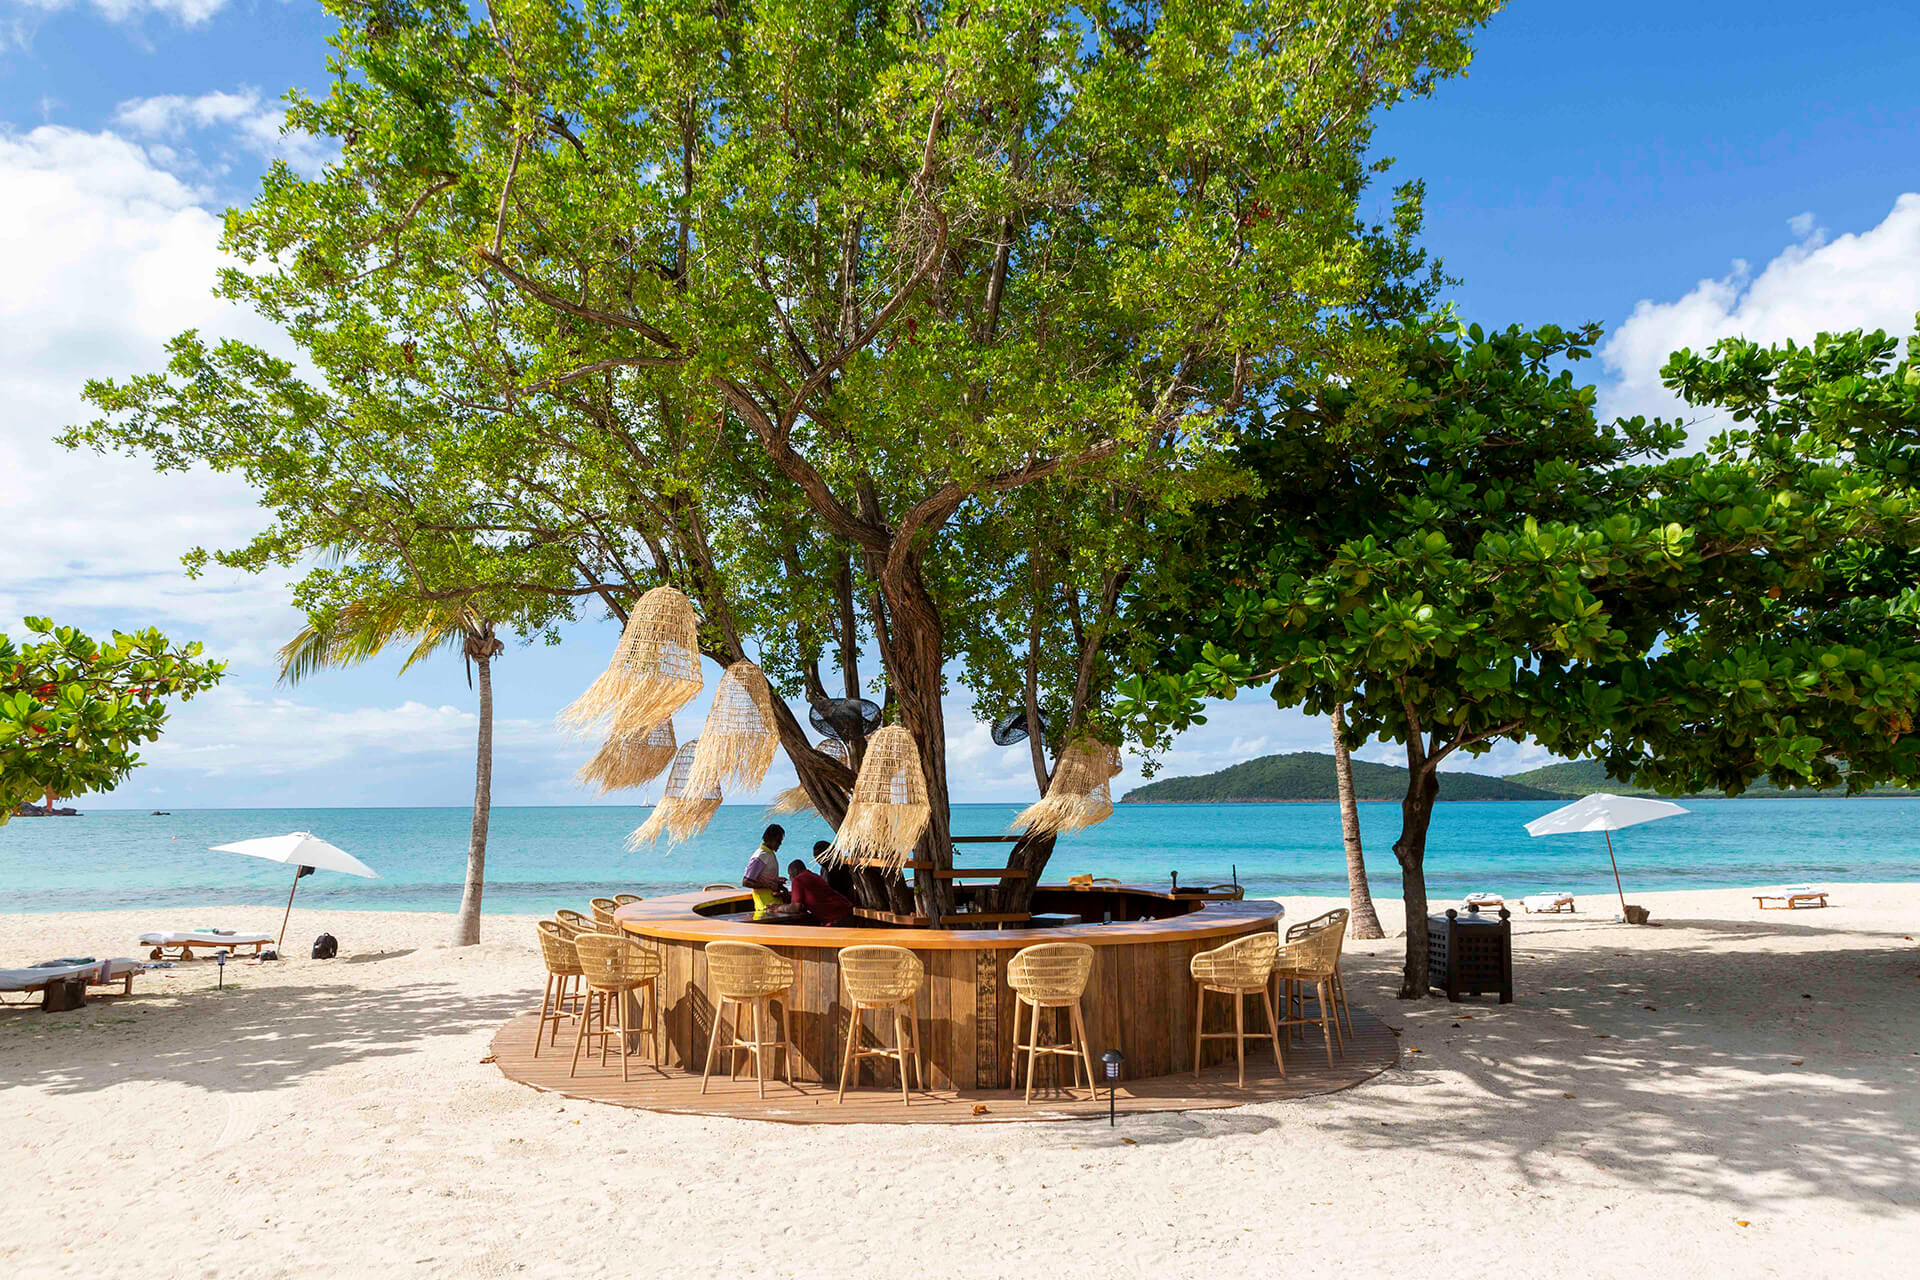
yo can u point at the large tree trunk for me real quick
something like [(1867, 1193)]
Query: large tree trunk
[(915, 639), (1365, 922), (467, 931), (1416, 814)]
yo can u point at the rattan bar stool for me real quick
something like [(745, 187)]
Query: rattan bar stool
[(747, 976), (562, 995), (1051, 975), (1311, 959), (572, 922), (1341, 915), (717, 888), (1237, 970), (622, 899), (614, 968), (602, 909), (883, 978)]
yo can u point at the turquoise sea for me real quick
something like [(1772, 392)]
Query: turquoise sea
[(542, 858)]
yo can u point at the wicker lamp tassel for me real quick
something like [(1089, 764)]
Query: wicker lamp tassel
[(654, 672), (683, 811), (631, 760), (889, 808), (738, 742), (795, 799), (1079, 795)]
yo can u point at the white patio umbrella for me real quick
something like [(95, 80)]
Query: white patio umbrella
[(299, 849), (1606, 814)]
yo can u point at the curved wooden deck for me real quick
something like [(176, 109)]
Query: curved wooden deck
[(1371, 1050)]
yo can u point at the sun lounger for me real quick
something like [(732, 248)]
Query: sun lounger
[(96, 973), (1547, 903), (1484, 900), (1791, 898), (185, 941)]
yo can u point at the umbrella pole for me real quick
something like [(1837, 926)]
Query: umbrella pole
[(282, 944), (1616, 876)]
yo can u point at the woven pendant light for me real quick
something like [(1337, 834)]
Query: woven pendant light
[(889, 809), (630, 760), (738, 742), (1079, 796), (683, 811), (796, 799), (654, 672)]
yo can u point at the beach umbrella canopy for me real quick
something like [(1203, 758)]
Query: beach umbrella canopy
[(1606, 814), (300, 849)]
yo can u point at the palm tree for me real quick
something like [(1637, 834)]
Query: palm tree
[(1365, 922), (356, 632)]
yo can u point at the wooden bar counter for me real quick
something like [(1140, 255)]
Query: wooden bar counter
[(1139, 998)]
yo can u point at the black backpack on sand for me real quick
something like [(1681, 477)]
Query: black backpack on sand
[(325, 947)]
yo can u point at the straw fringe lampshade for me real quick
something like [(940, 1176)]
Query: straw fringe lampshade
[(889, 809), (739, 739), (654, 672), (1079, 796), (631, 760), (795, 799), (684, 811)]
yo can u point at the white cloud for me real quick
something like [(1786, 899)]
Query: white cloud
[(241, 117), (114, 256), (188, 13), (1864, 280)]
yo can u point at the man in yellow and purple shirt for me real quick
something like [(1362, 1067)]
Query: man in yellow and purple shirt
[(763, 872)]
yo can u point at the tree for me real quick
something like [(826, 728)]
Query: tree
[(1480, 559), (1365, 920), (784, 308), (73, 710), (360, 630)]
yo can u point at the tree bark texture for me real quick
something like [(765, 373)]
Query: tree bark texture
[(1416, 815), (467, 929), (1365, 921)]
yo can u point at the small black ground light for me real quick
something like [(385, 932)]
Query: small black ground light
[(220, 958), (1113, 1059)]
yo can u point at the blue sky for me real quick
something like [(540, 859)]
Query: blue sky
[(1679, 172)]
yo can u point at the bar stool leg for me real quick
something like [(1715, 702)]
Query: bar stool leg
[(786, 1034), (919, 1063), (540, 1027), (1033, 1039), (1273, 1031), (619, 999), (1013, 1068), (759, 1050), (900, 1049), (579, 1041), (1086, 1050), (846, 1059), (1240, 1034), (713, 1043), (1321, 989)]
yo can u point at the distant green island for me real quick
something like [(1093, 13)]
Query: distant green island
[(1302, 776)]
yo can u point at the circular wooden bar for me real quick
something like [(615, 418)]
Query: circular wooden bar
[(1139, 999)]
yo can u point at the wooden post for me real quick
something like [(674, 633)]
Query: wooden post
[(1616, 873), (282, 944)]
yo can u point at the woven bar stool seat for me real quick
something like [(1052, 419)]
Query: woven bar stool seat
[(602, 909), (572, 922), (1237, 970), (562, 996), (622, 899), (1051, 975), (616, 967), (748, 976), (1311, 958), (885, 978), (1340, 915)]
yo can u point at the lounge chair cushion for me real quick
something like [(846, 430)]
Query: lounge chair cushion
[(201, 938)]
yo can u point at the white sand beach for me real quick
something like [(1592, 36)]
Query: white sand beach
[(1730, 1093)]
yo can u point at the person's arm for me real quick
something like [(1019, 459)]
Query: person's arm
[(756, 878)]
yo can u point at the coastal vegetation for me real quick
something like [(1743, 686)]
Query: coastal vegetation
[(74, 710), (895, 336), (1482, 559)]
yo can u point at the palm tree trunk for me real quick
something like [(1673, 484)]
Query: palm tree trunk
[(467, 932), (1365, 922)]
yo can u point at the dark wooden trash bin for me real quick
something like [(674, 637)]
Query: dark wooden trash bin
[(1470, 955)]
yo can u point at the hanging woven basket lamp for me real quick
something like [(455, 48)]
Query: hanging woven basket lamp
[(630, 760), (739, 739), (889, 808), (684, 811), (795, 799), (654, 672), (1079, 795)]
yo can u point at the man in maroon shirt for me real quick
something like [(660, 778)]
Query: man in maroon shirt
[(812, 892)]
